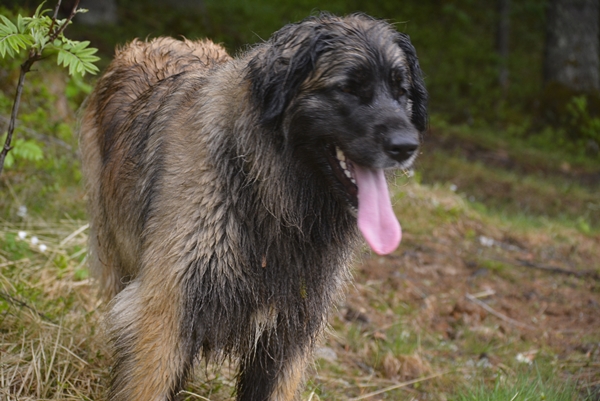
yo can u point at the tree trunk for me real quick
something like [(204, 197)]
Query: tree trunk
[(502, 42), (572, 45)]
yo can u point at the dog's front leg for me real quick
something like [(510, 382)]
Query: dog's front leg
[(272, 371), (145, 327)]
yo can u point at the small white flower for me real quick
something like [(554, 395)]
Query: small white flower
[(453, 187), (485, 241), (43, 248), (525, 358), (22, 212), (22, 234), (34, 240)]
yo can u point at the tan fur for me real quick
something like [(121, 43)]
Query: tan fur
[(287, 386), (145, 64), (152, 313)]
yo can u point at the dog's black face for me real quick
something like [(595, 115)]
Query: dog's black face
[(348, 96), (361, 116)]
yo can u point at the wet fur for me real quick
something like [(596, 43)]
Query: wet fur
[(217, 227)]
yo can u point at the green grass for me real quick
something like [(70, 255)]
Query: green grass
[(510, 178), (525, 385)]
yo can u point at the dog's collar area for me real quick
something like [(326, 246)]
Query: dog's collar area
[(343, 170)]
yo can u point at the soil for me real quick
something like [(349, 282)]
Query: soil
[(538, 295)]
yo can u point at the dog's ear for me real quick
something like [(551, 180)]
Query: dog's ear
[(278, 70), (418, 93)]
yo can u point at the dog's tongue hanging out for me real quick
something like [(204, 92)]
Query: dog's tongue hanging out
[(376, 219)]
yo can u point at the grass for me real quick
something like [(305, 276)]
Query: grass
[(48, 314), (401, 334), (509, 176), (526, 385), (407, 329)]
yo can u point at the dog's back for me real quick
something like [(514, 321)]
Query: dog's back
[(140, 65), (130, 82)]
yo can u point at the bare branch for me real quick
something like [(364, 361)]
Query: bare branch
[(54, 16), (16, 302), (64, 25), (25, 67)]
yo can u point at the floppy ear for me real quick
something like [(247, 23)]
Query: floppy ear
[(418, 93), (288, 57)]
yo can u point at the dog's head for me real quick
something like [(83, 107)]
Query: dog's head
[(348, 95)]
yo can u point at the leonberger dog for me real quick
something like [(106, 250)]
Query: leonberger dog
[(226, 195)]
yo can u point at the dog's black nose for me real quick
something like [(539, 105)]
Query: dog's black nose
[(400, 148)]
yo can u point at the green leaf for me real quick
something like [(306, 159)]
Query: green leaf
[(8, 25), (12, 43), (21, 23), (78, 58), (29, 150), (9, 160), (39, 11)]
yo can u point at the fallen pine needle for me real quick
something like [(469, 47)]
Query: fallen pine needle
[(496, 313), (397, 386), (194, 395)]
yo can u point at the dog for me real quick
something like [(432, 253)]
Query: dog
[(226, 195)]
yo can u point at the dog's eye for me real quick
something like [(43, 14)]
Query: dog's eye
[(349, 88), (398, 92), (396, 84)]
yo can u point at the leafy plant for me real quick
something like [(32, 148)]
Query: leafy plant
[(42, 36), (25, 149), (579, 118)]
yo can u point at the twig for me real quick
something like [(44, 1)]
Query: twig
[(496, 313), (397, 386), (484, 294), (55, 15), (16, 302), (64, 25), (25, 68), (559, 270)]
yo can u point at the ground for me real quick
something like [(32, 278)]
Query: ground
[(470, 299), (476, 297)]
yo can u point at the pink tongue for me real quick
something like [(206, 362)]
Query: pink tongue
[(376, 219)]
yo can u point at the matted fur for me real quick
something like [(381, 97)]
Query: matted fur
[(218, 228)]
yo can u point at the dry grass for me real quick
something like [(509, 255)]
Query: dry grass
[(50, 345)]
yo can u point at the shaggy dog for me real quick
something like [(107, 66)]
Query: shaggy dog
[(226, 194)]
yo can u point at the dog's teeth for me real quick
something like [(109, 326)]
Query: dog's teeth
[(343, 164), (348, 174), (353, 180), (340, 155)]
